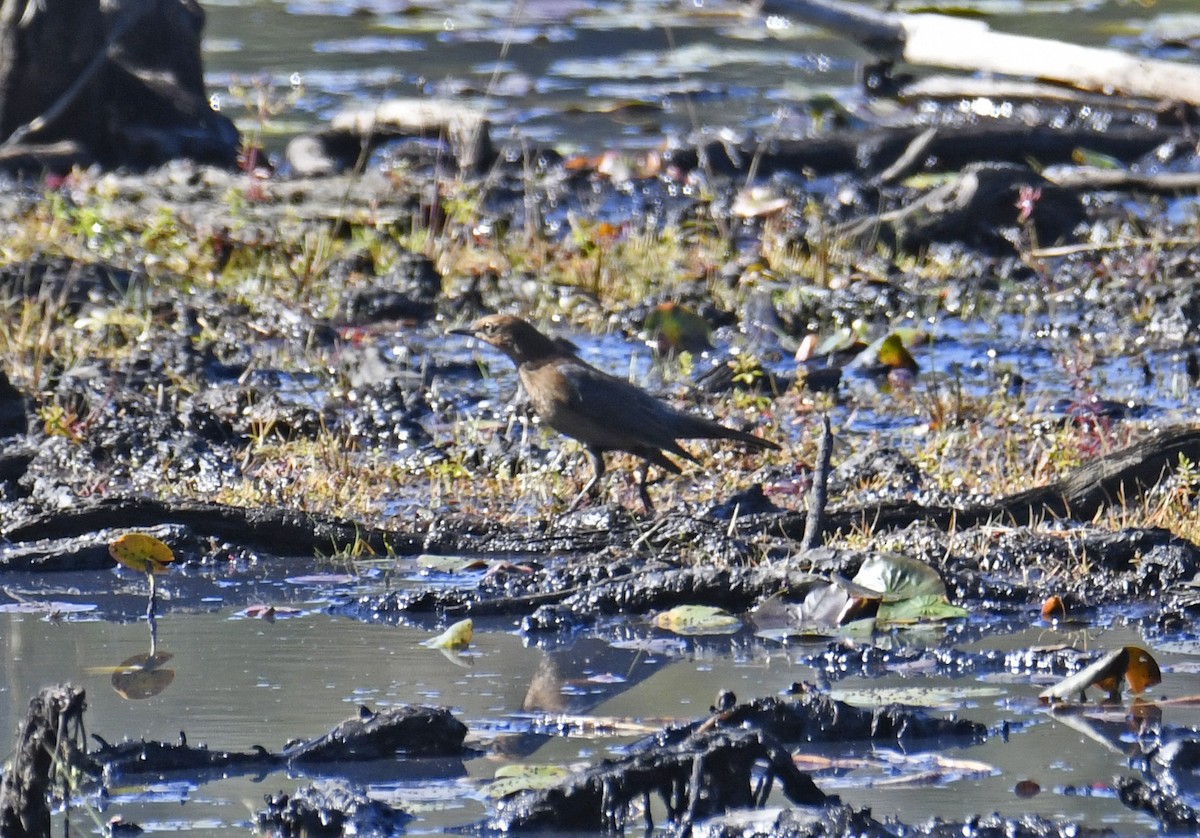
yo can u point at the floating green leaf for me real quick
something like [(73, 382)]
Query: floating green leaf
[(894, 355), (919, 609), (898, 577), (1096, 160)]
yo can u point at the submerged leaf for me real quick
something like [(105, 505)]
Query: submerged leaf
[(143, 676), (458, 636), (514, 778), (698, 619), (1133, 664), (449, 565), (939, 698), (141, 552)]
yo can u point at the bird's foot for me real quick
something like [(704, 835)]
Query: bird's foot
[(644, 495), (644, 490)]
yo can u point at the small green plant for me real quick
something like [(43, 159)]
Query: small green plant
[(58, 421)]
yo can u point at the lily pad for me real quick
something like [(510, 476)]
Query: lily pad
[(511, 779), (919, 609), (698, 619), (898, 577)]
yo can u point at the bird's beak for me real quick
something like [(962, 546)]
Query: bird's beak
[(466, 331)]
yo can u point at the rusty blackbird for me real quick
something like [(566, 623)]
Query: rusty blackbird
[(603, 412)]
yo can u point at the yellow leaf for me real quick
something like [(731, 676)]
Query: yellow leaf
[(458, 636), (141, 552), (697, 619), (1132, 664), (893, 354)]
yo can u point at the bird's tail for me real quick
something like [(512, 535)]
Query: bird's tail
[(706, 429)]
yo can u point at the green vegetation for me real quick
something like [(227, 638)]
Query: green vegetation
[(217, 262)]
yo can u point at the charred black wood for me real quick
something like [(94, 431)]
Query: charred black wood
[(280, 531), (978, 207), (1175, 766), (1173, 813), (143, 757), (121, 84), (412, 730), (408, 731), (14, 409), (872, 151), (707, 773), (591, 591), (329, 809), (47, 744), (815, 717)]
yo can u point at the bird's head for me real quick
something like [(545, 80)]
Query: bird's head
[(513, 336)]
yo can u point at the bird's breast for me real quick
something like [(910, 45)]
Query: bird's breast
[(550, 392)]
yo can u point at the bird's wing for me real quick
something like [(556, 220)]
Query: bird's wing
[(607, 412)]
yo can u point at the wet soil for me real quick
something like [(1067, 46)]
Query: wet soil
[(275, 384)]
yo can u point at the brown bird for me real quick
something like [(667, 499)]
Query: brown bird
[(602, 411)]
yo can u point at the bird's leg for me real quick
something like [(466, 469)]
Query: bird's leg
[(593, 485), (643, 471)]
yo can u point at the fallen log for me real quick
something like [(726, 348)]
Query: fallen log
[(1115, 479), (871, 151), (281, 531), (960, 44)]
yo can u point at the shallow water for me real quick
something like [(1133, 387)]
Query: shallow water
[(242, 682), (576, 74)]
